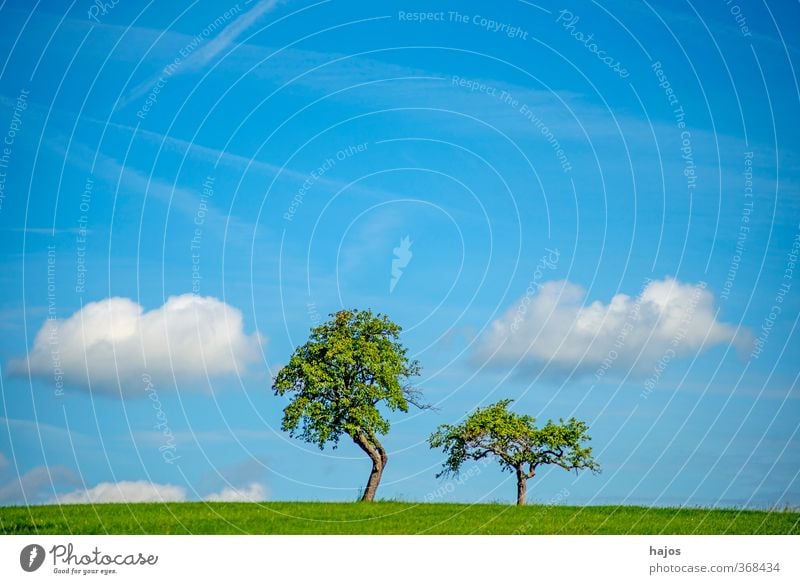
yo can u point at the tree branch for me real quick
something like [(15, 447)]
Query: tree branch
[(414, 397), (498, 452), (361, 440)]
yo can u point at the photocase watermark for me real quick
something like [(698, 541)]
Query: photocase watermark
[(744, 227), (549, 261), (196, 241), (556, 499), (780, 295), (461, 478), (523, 109), (493, 26), (94, 562), (687, 153), (402, 257), (14, 127), (677, 339), (568, 20), (100, 8), (633, 316), (478, 20), (318, 173), (53, 338), (31, 557), (80, 237), (545, 131), (169, 448), (404, 16), (739, 17), (171, 68), (313, 313)]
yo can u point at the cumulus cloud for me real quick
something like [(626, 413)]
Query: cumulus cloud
[(555, 330), (111, 344), (124, 492), (248, 494)]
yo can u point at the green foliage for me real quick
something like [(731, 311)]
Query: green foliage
[(515, 441), (336, 380)]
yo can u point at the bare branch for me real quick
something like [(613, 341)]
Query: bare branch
[(414, 397)]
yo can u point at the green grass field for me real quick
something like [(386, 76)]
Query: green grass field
[(386, 518)]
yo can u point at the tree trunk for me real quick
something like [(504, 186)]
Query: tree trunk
[(373, 482), (522, 487), (379, 458)]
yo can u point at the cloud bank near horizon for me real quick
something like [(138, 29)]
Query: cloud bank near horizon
[(149, 492)]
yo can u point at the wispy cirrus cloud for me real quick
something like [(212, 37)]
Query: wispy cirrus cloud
[(230, 33), (203, 48)]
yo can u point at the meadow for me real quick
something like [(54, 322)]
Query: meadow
[(386, 517)]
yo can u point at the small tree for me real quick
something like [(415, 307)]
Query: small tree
[(350, 365), (516, 442)]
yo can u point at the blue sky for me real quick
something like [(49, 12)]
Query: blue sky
[(605, 227)]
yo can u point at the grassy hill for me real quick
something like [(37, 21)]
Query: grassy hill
[(386, 518)]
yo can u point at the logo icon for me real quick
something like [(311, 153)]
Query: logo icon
[(402, 255), (31, 557)]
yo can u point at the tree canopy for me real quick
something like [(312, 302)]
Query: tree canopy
[(350, 366), (515, 441)]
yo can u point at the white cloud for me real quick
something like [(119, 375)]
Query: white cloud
[(148, 492), (36, 484), (251, 493), (554, 329), (124, 492), (112, 343)]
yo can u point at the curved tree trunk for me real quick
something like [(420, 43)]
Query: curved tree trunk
[(522, 487), (373, 482), (379, 458)]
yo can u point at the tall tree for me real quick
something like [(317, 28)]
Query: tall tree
[(516, 442), (336, 381)]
